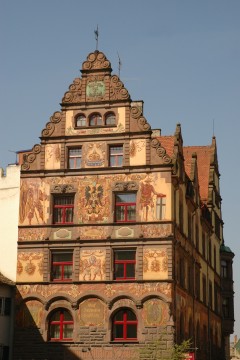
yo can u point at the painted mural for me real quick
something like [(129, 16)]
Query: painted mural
[(155, 263), (32, 234), (30, 314), (155, 313), (93, 232), (92, 265), (34, 201), (149, 201), (137, 152), (30, 266), (92, 312), (155, 231), (52, 156), (94, 155), (137, 290)]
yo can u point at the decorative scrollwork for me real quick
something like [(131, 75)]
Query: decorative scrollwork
[(63, 189), (74, 93), (96, 60), (125, 186), (50, 126), (117, 89), (161, 152), (135, 112), (30, 157), (143, 124)]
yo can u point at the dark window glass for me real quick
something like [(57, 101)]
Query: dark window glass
[(62, 266), (63, 209), (61, 326), (124, 264), (125, 209), (125, 326), (95, 120)]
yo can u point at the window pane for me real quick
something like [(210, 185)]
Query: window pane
[(118, 331), (67, 271), (55, 331), (131, 212), (81, 120), (119, 270), (130, 270), (126, 198), (69, 215), (131, 331), (56, 272), (67, 331), (110, 119), (119, 315), (120, 210), (130, 315), (57, 215), (125, 255), (56, 316), (57, 257), (67, 316)]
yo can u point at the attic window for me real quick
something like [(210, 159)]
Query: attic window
[(95, 120), (81, 120), (110, 119)]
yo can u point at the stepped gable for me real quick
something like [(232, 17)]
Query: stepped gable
[(97, 84), (203, 164)]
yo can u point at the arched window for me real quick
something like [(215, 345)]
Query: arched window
[(81, 120), (61, 326), (110, 119), (95, 120), (124, 326)]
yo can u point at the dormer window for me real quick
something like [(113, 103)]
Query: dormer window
[(81, 120), (110, 119), (95, 120)]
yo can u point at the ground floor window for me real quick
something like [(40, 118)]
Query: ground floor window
[(61, 326), (124, 326)]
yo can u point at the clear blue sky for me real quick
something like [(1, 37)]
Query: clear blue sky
[(182, 57)]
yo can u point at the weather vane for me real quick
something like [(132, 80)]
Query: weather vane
[(96, 32), (119, 65)]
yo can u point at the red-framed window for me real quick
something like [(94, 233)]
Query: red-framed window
[(61, 326), (95, 119), (81, 120), (124, 326), (62, 266), (63, 206), (116, 156), (75, 158), (125, 207), (110, 119), (124, 264)]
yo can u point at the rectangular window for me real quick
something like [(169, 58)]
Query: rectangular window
[(63, 209), (224, 269), (124, 264), (125, 207), (160, 207), (62, 266), (5, 306), (116, 156), (204, 289), (225, 308), (75, 158)]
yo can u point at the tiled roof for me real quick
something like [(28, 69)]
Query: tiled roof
[(168, 143), (6, 281), (203, 165)]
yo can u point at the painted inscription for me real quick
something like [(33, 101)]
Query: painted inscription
[(92, 312)]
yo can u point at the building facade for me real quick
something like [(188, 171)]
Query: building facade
[(120, 230)]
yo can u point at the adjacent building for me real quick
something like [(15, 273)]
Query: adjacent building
[(120, 237)]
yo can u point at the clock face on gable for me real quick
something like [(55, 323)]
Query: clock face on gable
[(95, 88)]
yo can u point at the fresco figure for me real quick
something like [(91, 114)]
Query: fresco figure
[(147, 198)]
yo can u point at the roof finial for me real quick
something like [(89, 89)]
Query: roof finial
[(119, 65), (213, 128), (96, 32)]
